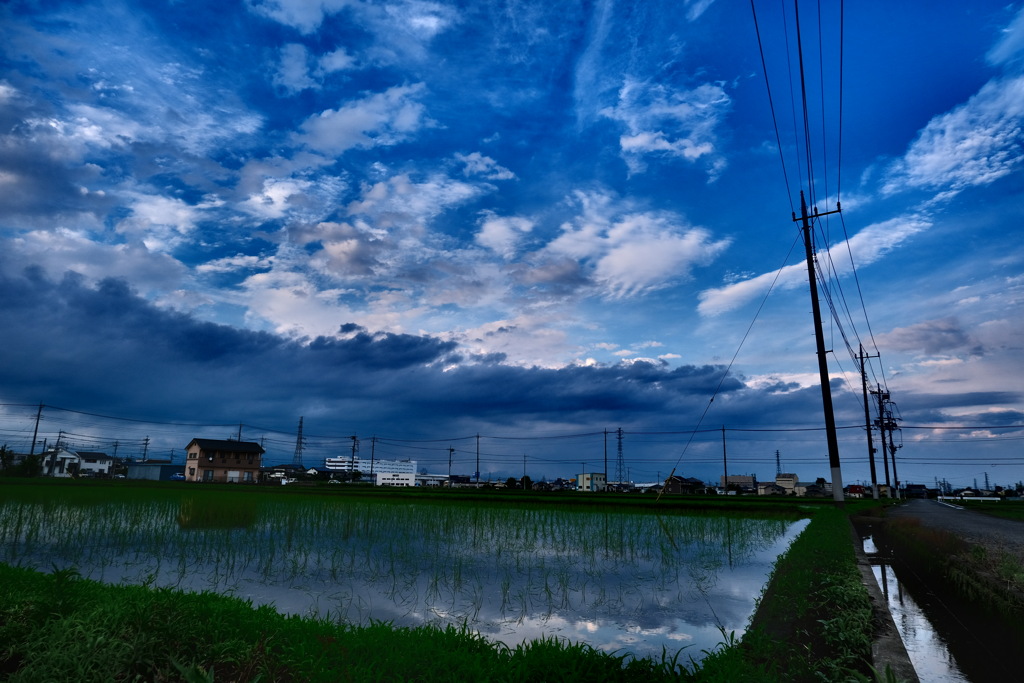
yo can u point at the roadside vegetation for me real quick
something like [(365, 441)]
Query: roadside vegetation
[(814, 622), (1007, 509), (988, 578)]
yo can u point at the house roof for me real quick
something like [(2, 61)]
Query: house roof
[(228, 445), (94, 455)]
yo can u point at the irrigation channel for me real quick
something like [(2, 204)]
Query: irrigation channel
[(632, 582)]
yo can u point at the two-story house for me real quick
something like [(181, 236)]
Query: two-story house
[(217, 460)]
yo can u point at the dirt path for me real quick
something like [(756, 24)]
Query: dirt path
[(993, 533)]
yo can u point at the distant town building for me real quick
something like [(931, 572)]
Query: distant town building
[(787, 481), (368, 466), (591, 481), (745, 482), (395, 478), (217, 460)]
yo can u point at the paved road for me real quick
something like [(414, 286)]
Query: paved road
[(974, 527)]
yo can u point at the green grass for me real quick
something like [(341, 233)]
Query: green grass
[(815, 619), (813, 623), (58, 627), (1007, 509)]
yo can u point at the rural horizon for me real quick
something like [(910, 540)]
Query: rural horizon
[(416, 222)]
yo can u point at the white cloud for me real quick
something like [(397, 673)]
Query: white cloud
[(303, 15), (502, 234), (661, 121), (337, 60), (293, 69), (381, 119), (478, 164), (629, 252), (161, 223), (1011, 46), (866, 247), (976, 143)]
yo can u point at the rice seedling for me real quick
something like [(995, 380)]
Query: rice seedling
[(593, 570)]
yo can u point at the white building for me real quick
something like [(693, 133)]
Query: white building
[(394, 478), (591, 481), (366, 466)]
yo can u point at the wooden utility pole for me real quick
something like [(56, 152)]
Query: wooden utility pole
[(867, 421), (819, 338), (35, 432)]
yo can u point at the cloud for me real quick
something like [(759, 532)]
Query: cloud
[(381, 119), (303, 15), (865, 247), (974, 144), (661, 121), (628, 252), (502, 234), (1010, 47), (932, 337), (108, 346), (293, 70), (477, 164)]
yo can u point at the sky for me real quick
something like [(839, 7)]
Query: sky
[(500, 232)]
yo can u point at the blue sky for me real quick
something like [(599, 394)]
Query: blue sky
[(424, 221)]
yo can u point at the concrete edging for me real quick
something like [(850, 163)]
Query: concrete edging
[(888, 648)]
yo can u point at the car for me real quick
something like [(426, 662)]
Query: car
[(177, 476)]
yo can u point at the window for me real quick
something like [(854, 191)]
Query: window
[(207, 475), (248, 477)]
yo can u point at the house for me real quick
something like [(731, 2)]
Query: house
[(677, 484), (94, 463), (217, 460), (769, 488), (395, 479), (591, 481), (61, 462), (741, 482)]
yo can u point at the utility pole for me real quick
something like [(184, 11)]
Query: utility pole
[(373, 450), (778, 464), (35, 432), (883, 396), (478, 459), (819, 338), (145, 449), (352, 469), (239, 431), (620, 465), (867, 422), (450, 451)]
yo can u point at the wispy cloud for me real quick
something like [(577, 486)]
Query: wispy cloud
[(381, 119), (976, 143), (661, 121), (866, 247)]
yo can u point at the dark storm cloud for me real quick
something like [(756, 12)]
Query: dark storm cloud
[(100, 348)]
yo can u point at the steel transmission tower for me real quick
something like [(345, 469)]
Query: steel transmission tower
[(620, 463), (297, 458)]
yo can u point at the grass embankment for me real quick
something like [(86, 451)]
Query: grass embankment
[(1007, 509), (814, 623)]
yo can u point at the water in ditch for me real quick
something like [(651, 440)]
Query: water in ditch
[(944, 644)]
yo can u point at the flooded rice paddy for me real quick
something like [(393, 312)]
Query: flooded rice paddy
[(619, 581)]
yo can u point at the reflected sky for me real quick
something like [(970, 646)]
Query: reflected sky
[(618, 581)]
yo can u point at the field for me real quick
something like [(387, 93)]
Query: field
[(653, 588)]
